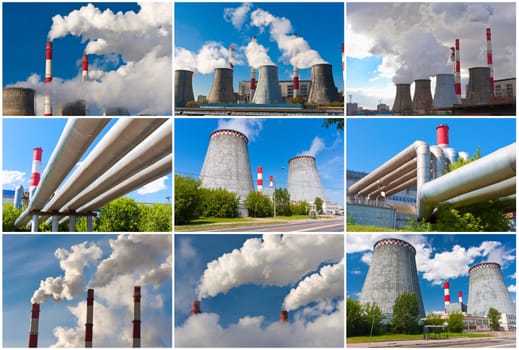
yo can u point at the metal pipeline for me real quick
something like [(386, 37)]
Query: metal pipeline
[(499, 190)]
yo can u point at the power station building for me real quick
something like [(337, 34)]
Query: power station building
[(286, 86)]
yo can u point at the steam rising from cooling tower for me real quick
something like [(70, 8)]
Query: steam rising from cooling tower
[(222, 90), (183, 87), (444, 93), (268, 89), (323, 89), (392, 272), (422, 98), (479, 89), (487, 289), (18, 101), (403, 103), (304, 183), (227, 164)]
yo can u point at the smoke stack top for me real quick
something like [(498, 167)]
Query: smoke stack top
[(442, 134), (195, 307), (283, 316)]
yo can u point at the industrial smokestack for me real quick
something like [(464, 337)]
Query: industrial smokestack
[(271, 182), (444, 93), (227, 164), (252, 83), (422, 98), (460, 298), (391, 273), (260, 179), (222, 90), (33, 329), (84, 68), (403, 104), (89, 325), (304, 183), (457, 70), (36, 170), (479, 90), (283, 317), (18, 101), (442, 135), (47, 110), (446, 296), (342, 55), (137, 317), (268, 89), (296, 82), (323, 89), (183, 87), (487, 289), (489, 60), (195, 307), (231, 56)]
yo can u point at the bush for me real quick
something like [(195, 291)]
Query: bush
[(218, 203), (187, 199), (259, 206), (300, 208)]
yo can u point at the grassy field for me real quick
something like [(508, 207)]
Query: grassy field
[(359, 228), (388, 337)]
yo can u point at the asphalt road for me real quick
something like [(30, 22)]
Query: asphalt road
[(491, 342), (310, 225)]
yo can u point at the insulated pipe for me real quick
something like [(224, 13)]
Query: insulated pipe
[(141, 178), (491, 192), (75, 139), (393, 184), (33, 329), (404, 169), (437, 161), (137, 317), (124, 136), (260, 179), (36, 170), (404, 186), (451, 154), (149, 151), (47, 111), (491, 169), (489, 59), (89, 318)]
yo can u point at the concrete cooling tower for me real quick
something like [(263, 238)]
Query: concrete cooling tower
[(222, 90), (392, 272), (18, 101), (479, 90), (268, 89), (422, 98), (403, 103), (487, 289), (444, 93), (323, 89), (227, 164), (75, 108), (116, 111), (184, 87), (304, 183)]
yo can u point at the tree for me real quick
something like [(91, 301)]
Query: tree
[(338, 122), (155, 218), (282, 198), (259, 206), (456, 324), (218, 203), (405, 314), (187, 199), (318, 204), (299, 208), (494, 316), (372, 316), (461, 162), (353, 317), (434, 320), (120, 215), (482, 217), (9, 215)]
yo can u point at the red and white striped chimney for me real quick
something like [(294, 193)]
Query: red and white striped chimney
[(84, 68), (271, 182), (252, 85), (342, 54), (33, 329), (195, 307), (283, 316), (460, 297), (231, 56), (36, 170), (489, 59), (442, 135), (446, 295), (89, 325), (137, 317), (260, 179), (47, 109), (457, 74), (296, 81)]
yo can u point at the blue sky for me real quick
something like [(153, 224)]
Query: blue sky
[(392, 42), (441, 257), (320, 24), (21, 135), (272, 142), (371, 142), (246, 279), (29, 259), (145, 67)]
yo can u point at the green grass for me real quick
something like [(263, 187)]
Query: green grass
[(205, 223), (388, 337), (360, 228)]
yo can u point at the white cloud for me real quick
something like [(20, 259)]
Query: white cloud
[(153, 187), (237, 16), (512, 288), (13, 178), (250, 127)]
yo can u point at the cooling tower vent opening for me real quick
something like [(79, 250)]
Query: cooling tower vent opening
[(230, 132), (394, 241)]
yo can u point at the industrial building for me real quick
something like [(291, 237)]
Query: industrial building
[(505, 88), (286, 86)]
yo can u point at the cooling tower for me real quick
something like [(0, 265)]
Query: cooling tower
[(116, 111), (75, 108), (403, 104), (479, 90), (268, 89), (18, 101), (392, 272), (444, 93), (487, 289), (222, 90), (422, 98), (323, 89), (184, 87), (226, 163), (304, 183)]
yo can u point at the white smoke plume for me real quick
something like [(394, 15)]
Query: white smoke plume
[(325, 329), (295, 49), (185, 59), (257, 55), (272, 260), (211, 55), (250, 127), (137, 256), (316, 147), (237, 16), (326, 284), (72, 262)]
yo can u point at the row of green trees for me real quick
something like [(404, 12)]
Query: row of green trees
[(121, 215)]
